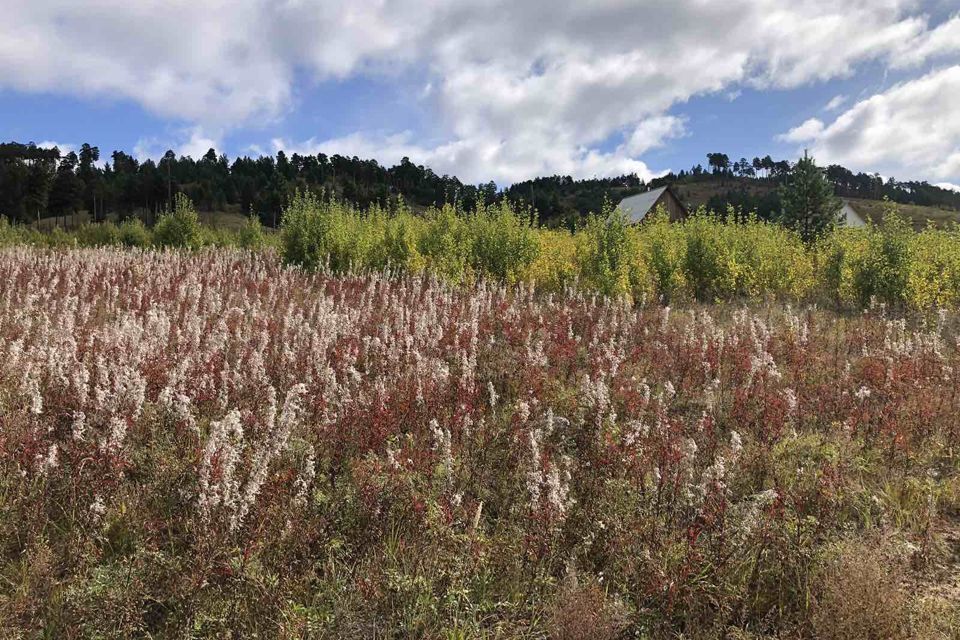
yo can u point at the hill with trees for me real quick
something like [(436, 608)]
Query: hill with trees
[(38, 183)]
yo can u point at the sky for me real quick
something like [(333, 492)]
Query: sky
[(494, 90)]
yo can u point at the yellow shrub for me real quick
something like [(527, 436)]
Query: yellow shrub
[(838, 257), (933, 276), (709, 259), (662, 251), (555, 266)]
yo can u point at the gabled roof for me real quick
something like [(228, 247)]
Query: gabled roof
[(637, 207)]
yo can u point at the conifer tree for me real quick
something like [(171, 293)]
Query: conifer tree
[(809, 205)]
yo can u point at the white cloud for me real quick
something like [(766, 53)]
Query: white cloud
[(652, 133), (70, 147), (514, 88), (835, 103), (912, 130), (254, 150), (939, 43), (949, 186), (474, 162), (197, 61), (64, 147), (198, 144), (387, 149), (191, 141), (950, 166), (809, 130)]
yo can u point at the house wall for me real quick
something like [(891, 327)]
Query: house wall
[(674, 209), (851, 217)]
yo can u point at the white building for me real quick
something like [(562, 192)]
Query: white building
[(850, 216)]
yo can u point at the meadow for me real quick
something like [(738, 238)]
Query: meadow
[(383, 425), (211, 444)]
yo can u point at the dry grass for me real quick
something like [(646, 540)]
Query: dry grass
[(212, 445), (227, 220), (585, 612), (918, 215), (697, 194), (858, 597)]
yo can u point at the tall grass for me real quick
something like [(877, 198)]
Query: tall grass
[(204, 444)]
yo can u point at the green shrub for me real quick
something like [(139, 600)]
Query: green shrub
[(11, 234), (317, 233), (503, 242), (133, 233), (663, 250), (8, 235), (746, 258), (58, 239), (251, 235), (607, 253), (218, 237), (446, 243), (838, 256), (703, 257), (98, 234), (709, 263), (890, 263), (397, 245), (883, 269), (770, 261), (179, 228), (556, 265), (933, 277), (302, 235)]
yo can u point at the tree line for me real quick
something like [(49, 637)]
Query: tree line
[(846, 183), (37, 182)]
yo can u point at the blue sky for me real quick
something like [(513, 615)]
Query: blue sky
[(494, 90)]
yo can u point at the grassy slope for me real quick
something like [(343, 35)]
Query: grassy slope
[(695, 194), (229, 220), (873, 210)]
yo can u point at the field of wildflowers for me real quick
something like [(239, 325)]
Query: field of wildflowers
[(213, 444)]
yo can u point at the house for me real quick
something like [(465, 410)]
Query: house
[(850, 216), (637, 207)]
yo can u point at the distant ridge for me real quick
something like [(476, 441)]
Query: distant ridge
[(37, 182)]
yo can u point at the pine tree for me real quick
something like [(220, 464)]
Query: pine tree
[(66, 192), (809, 205)]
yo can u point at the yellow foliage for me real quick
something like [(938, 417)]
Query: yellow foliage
[(555, 266)]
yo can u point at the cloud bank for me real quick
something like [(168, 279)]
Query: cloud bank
[(912, 130), (514, 89)]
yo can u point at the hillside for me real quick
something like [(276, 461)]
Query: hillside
[(562, 201), (39, 183), (698, 193), (752, 194), (920, 216)]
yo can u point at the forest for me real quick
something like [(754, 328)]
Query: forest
[(37, 183)]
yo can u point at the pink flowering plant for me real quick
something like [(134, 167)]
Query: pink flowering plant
[(211, 443)]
